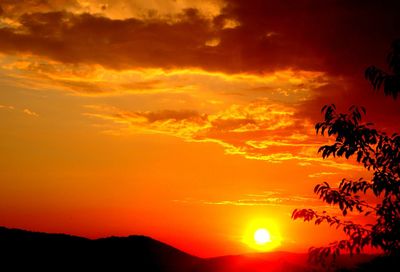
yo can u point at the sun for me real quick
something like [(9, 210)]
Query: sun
[(262, 236)]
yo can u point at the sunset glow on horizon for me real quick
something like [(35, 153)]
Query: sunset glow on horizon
[(192, 122)]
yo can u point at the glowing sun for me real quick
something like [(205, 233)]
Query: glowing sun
[(262, 236)]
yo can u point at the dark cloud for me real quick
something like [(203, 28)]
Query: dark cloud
[(163, 116), (336, 36), (382, 110), (174, 115), (339, 37), (118, 44)]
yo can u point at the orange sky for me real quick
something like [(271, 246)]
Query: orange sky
[(187, 121)]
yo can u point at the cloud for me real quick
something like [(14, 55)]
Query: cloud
[(267, 36), (274, 198), (17, 8), (337, 39), (254, 74), (267, 198), (30, 112), (260, 130), (63, 41), (94, 80), (121, 9), (25, 111), (34, 73), (180, 123), (321, 174), (7, 107), (120, 44), (115, 9)]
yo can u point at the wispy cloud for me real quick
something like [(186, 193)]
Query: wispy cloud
[(321, 174), (7, 107), (25, 111), (266, 198), (95, 80), (237, 128), (260, 130), (30, 112)]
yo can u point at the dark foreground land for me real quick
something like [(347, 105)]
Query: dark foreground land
[(32, 251)]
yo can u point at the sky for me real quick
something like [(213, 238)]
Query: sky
[(188, 121)]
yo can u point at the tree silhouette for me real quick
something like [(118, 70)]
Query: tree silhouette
[(390, 82), (377, 152)]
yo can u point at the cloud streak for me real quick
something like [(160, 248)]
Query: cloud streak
[(7, 107), (266, 198), (260, 130), (94, 80), (30, 112)]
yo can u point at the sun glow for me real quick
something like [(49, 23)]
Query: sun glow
[(262, 235)]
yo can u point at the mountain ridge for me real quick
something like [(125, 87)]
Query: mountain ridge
[(29, 250)]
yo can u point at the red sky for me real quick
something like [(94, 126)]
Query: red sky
[(188, 121)]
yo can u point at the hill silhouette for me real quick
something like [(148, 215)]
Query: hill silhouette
[(23, 250)]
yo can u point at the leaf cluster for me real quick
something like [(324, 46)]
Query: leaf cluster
[(379, 78)]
